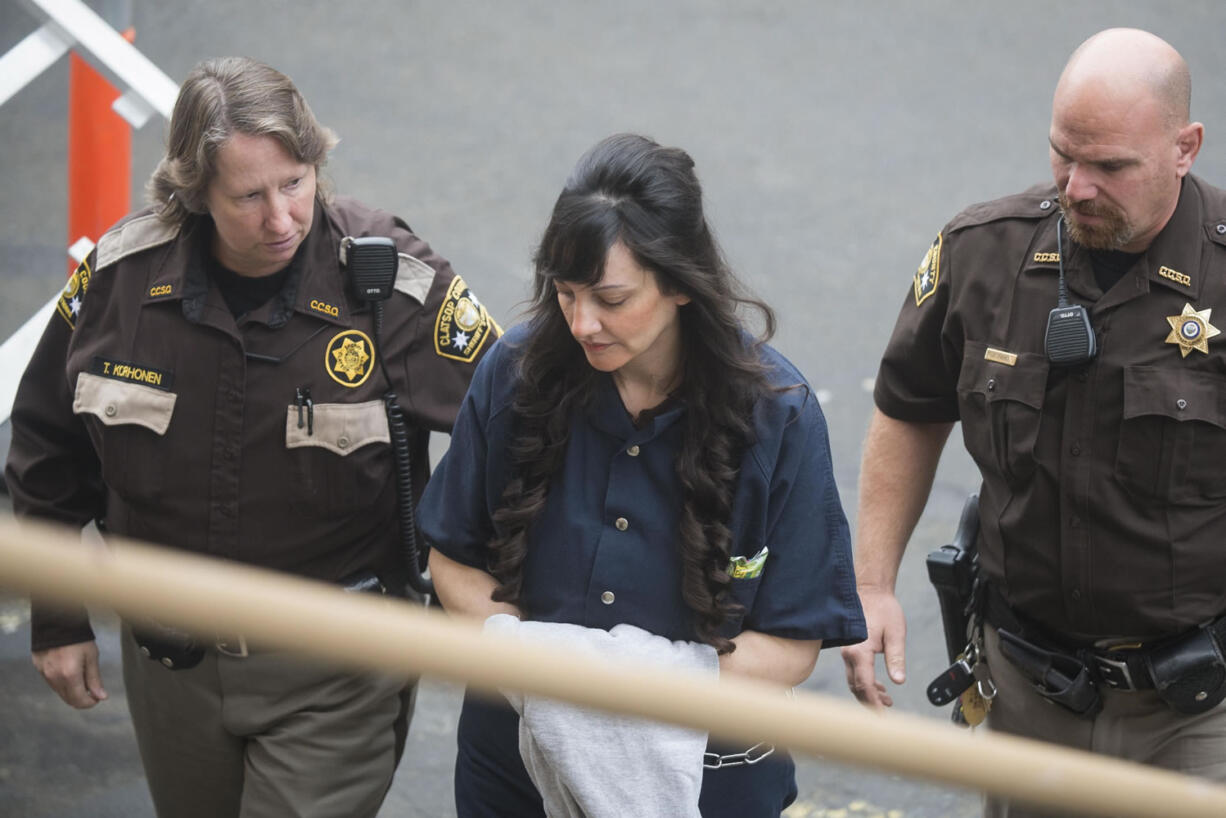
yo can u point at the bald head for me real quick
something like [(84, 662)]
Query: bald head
[(1121, 141), (1127, 64)]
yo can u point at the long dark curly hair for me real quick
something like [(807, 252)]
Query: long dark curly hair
[(631, 190)]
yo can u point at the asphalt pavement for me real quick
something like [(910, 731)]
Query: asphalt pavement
[(833, 141)]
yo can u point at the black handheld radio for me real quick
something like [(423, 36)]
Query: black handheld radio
[(1070, 338), (373, 262)]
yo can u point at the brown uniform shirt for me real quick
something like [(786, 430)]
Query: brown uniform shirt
[(1103, 503), (149, 407)]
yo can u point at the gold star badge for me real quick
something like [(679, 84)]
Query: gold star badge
[(1191, 330), (351, 355)]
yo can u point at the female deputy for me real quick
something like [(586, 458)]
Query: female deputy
[(631, 455)]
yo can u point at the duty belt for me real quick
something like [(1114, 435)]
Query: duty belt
[(177, 649), (1186, 657)]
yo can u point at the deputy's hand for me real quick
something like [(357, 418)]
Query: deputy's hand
[(73, 673), (887, 633)]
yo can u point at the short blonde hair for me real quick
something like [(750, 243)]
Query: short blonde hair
[(219, 98)]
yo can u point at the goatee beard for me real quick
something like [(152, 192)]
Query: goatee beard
[(1112, 234)]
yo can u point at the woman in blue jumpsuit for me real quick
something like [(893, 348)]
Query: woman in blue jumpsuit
[(631, 455)]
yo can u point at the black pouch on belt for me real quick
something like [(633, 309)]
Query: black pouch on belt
[(1060, 677), (1189, 674), (173, 648)]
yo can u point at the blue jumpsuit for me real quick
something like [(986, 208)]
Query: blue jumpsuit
[(603, 552)]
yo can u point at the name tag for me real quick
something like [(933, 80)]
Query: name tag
[(999, 356)]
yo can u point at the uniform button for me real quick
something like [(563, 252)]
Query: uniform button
[(166, 660), (1076, 594), (1075, 450), (144, 651), (1221, 228), (343, 442), (633, 451), (991, 384), (111, 410), (607, 597), (1181, 403), (1045, 204), (622, 523)]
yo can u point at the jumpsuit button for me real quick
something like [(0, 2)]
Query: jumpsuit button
[(621, 523), (144, 651), (607, 597), (1181, 403), (1221, 228), (991, 384), (633, 451), (111, 410), (1045, 204), (166, 660), (342, 442)]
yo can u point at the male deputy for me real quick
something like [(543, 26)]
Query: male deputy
[(1102, 450), (214, 381)]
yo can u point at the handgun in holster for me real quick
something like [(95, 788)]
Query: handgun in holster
[(954, 570)]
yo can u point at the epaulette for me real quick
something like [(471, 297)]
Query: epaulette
[(1037, 202), (133, 236), (414, 277)]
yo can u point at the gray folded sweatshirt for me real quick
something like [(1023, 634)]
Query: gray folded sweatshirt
[(591, 764)]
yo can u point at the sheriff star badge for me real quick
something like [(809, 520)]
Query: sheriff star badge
[(1191, 330)]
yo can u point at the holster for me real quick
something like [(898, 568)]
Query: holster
[(1189, 674), (176, 649), (1059, 677)]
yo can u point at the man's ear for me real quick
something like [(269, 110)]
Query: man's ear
[(1188, 142)]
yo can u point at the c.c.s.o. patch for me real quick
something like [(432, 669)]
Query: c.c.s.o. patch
[(462, 325), (350, 357), (928, 273), (69, 303)]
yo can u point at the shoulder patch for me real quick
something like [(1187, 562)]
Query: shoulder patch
[(414, 277), (928, 273), (69, 303), (462, 325), (131, 237)]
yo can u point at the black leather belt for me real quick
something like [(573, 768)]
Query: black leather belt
[(1187, 670), (1121, 667)]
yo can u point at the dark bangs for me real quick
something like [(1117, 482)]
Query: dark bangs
[(577, 241)]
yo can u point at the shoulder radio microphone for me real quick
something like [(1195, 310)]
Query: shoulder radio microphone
[(372, 263), (1070, 338)]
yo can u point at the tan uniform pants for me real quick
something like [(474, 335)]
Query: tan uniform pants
[(265, 736), (1136, 726)]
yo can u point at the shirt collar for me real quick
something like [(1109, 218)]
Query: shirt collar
[(315, 286), (608, 414), (1172, 260)]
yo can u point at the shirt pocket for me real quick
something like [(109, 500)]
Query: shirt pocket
[(1172, 441), (743, 592), (1001, 407), (341, 454), (129, 433)]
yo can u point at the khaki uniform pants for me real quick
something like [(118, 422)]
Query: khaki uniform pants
[(265, 736), (1136, 726)]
